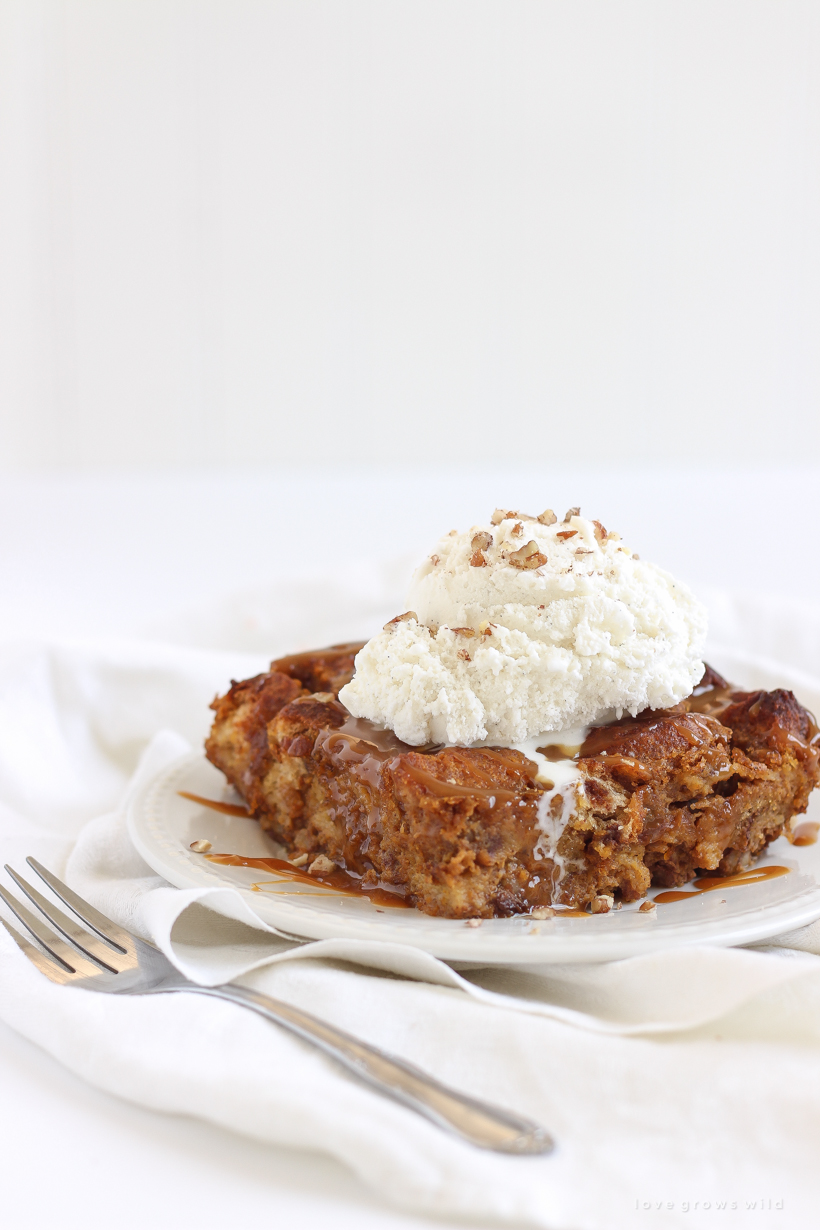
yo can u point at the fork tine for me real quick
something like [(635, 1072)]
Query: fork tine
[(54, 970), (87, 941), (105, 928), (53, 944)]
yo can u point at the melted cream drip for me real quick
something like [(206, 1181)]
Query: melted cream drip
[(563, 780), (566, 782)]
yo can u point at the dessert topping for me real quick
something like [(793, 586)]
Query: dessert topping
[(400, 619), (528, 556), (568, 647)]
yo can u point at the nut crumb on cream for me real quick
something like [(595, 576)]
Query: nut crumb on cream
[(572, 630)]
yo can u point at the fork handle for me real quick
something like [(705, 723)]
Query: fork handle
[(488, 1127)]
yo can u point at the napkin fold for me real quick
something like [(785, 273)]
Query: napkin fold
[(672, 1080)]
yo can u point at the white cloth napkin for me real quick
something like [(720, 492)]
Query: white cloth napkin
[(676, 1085)]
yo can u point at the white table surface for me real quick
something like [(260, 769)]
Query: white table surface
[(114, 556)]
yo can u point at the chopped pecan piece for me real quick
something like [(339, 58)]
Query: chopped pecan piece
[(572, 512), (322, 866), (480, 543), (566, 534), (400, 619), (528, 556), (547, 517)]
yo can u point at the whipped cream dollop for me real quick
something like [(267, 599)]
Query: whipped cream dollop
[(524, 626)]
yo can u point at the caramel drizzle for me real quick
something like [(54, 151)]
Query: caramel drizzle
[(715, 701), (229, 809), (605, 740), (342, 882), (359, 740), (337, 881), (804, 834), (709, 884), (442, 789), (365, 748), (369, 747), (709, 703)]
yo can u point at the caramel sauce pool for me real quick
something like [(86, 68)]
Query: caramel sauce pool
[(360, 740), (339, 881), (708, 884)]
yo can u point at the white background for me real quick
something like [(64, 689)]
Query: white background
[(408, 231), (289, 288)]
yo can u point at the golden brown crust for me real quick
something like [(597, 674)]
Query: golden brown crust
[(321, 670), (460, 831), (238, 742)]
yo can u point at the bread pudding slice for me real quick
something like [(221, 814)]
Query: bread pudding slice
[(475, 832)]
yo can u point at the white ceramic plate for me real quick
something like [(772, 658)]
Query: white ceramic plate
[(162, 826)]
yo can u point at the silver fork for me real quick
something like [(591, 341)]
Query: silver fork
[(102, 956)]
